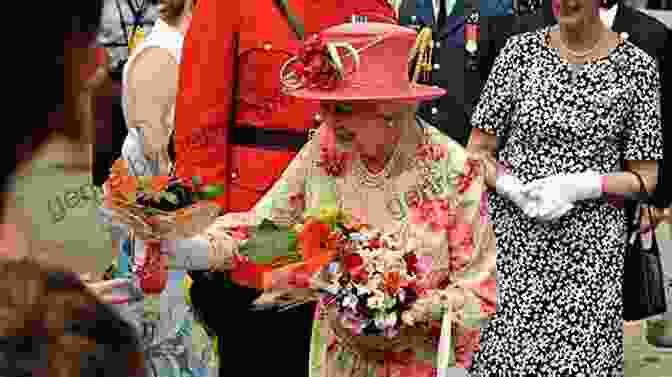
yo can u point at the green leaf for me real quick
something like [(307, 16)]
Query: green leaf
[(169, 196), (267, 224), (131, 196), (469, 203), (293, 241), (196, 180), (268, 242), (151, 211), (212, 191)]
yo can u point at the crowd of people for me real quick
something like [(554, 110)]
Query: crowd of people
[(517, 216)]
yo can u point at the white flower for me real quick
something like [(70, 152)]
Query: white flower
[(386, 321), (350, 301)]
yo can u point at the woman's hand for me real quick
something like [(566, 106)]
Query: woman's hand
[(511, 188), (557, 194), (199, 254), (101, 289)]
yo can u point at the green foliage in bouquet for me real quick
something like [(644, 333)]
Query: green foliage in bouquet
[(269, 242)]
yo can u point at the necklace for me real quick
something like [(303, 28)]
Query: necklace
[(376, 180), (581, 54)]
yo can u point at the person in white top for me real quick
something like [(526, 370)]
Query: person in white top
[(150, 88), (174, 343)]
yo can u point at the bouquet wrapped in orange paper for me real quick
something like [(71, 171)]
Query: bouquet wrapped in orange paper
[(156, 208)]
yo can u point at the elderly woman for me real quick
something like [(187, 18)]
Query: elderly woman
[(574, 109), (371, 158)]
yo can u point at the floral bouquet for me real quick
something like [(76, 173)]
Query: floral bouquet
[(374, 284), (156, 208), (276, 257)]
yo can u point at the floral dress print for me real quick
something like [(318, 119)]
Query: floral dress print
[(175, 343), (432, 194), (560, 284)]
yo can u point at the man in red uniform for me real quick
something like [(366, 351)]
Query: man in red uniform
[(235, 127)]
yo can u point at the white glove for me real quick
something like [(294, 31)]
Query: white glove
[(557, 194), (512, 188)]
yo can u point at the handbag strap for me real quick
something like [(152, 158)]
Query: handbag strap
[(643, 190)]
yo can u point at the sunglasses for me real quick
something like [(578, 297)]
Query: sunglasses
[(343, 108)]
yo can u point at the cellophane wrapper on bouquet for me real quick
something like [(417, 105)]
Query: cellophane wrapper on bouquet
[(368, 278), (366, 274), (156, 208)]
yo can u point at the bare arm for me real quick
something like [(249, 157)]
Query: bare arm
[(626, 184), (152, 86)]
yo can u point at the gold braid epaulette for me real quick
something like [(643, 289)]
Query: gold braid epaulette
[(423, 51)]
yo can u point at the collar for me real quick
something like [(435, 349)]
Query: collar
[(450, 4), (161, 25)]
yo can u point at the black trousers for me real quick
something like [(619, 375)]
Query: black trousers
[(254, 343)]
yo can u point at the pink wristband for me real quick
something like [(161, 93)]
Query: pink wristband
[(603, 180)]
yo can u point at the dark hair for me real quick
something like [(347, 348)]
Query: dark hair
[(50, 324), (171, 10), (82, 21)]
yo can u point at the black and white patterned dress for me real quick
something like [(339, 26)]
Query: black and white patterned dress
[(560, 306)]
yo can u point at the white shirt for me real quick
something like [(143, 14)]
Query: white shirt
[(609, 15), (449, 5)]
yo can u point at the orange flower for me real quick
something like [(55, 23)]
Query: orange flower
[(160, 183), (122, 184), (392, 282), (114, 200), (312, 238), (119, 167), (317, 245)]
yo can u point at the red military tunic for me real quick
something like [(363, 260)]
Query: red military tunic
[(240, 46)]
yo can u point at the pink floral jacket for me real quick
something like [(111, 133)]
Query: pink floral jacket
[(433, 194)]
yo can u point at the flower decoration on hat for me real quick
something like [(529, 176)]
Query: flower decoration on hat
[(318, 65)]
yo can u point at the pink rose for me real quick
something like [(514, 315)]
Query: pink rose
[(424, 265)]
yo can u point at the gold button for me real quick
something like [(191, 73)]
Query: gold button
[(318, 117), (234, 175), (267, 46), (625, 35)]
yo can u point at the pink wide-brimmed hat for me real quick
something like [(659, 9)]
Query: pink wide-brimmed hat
[(356, 61)]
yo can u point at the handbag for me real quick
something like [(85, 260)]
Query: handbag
[(643, 283)]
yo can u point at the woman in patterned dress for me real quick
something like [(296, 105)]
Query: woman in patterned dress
[(576, 112), (176, 345), (373, 159)]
